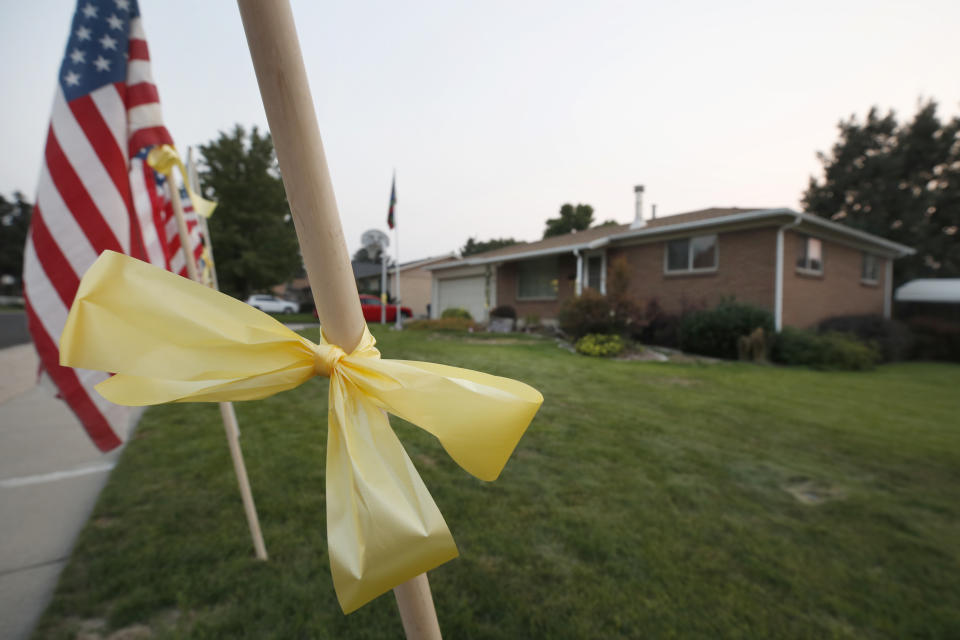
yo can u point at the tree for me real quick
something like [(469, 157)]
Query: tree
[(571, 219), (361, 255), (254, 241), (14, 225), (474, 246), (900, 182)]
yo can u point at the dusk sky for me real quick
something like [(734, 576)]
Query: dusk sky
[(495, 113)]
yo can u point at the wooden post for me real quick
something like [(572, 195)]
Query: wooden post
[(275, 50), (226, 408)]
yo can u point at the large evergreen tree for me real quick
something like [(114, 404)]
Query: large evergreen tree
[(14, 225), (900, 182), (254, 241), (572, 218)]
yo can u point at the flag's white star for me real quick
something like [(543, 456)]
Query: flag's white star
[(72, 79), (115, 22), (89, 11), (102, 64), (83, 33), (78, 56), (123, 5), (108, 43)]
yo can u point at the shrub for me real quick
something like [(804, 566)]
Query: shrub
[(936, 338), (531, 321), (823, 350), (715, 332), (625, 310), (504, 311), (588, 313), (600, 345), (456, 312), (893, 338), (443, 324), (659, 328)]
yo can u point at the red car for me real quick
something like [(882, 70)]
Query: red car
[(371, 309)]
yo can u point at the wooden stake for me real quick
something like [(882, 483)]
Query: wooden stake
[(226, 408), (275, 50)]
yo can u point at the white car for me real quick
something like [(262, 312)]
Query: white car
[(271, 304)]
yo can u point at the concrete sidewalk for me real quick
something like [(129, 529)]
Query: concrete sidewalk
[(50, 477)]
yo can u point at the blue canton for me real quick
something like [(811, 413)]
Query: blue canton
[(97, 49)]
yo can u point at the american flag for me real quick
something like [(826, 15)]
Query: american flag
[(96, 190)]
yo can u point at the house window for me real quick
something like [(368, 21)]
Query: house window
[(692, 254), (595, 273), (811, 255), (537, 279), (870, 268)]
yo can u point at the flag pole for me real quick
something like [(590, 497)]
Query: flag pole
[(278, 62), (396, 242), (227, 413)]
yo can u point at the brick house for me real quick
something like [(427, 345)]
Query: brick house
[(801, 267)]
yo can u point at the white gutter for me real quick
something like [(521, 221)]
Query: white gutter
[(778, 282)]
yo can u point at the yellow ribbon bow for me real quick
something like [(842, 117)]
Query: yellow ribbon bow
[(172, 340), (163, 158)]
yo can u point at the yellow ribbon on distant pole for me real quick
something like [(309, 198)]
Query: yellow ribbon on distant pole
[(383, 527), (163, 158)]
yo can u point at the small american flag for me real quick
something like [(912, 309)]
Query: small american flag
[(96, 190)]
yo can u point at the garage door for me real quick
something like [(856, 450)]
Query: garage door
[(466, 293)]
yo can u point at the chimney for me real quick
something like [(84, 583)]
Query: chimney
[(638, 220), (653, 212)]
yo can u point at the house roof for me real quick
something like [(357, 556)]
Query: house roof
[(929, 290), (694, 220), (365, 269), (422, 262)]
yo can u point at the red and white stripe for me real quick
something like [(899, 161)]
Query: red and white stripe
[(94, 195)]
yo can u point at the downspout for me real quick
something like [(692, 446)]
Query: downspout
[(578, 287), (888, 289), (778, 282)]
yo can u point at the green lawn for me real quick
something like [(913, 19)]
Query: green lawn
[(646, 500)]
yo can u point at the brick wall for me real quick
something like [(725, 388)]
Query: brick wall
[(745, 270), (808, 299)]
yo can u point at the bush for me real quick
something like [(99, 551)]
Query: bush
[(588, 313), (715, 332), (456, 312), (600, 345), (504, 311), (936, 338), (893, 338), (823, 350), (660, 328), (443, 324)]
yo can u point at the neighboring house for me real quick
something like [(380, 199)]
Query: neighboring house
[(801, 267), (297, 290), (932, 297), (415, 279), (369, 276)]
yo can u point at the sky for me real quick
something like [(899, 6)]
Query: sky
[(495, 113)]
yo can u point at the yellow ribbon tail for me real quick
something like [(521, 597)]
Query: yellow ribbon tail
[(383, 528)]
